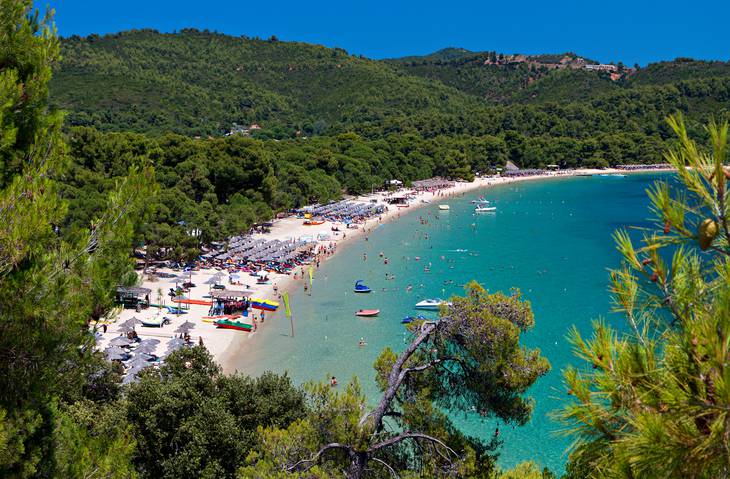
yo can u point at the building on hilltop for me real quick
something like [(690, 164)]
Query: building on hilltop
[(602, 68)]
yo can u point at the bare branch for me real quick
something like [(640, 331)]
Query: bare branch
[(412, 435), (392, 471), (314, 459)]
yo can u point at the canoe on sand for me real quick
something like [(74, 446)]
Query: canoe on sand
[(201, 302), (237, 325)]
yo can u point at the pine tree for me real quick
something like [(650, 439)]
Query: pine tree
[(51, 286), (654, 402)]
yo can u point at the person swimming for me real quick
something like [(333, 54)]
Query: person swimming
[(362, 342)]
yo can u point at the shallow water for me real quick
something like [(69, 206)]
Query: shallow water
[(551, 239)]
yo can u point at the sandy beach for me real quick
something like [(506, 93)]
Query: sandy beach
[(225, 344)]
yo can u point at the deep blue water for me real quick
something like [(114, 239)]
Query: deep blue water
[(551, 239)]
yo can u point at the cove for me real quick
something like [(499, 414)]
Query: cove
[(549, 238)]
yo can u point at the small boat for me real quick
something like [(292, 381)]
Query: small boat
[(156, 322), (433, 304), (425, 201), (264, 304), (223, 316), (480, 201), (361, 288), (485, 209), (313, 223), (368, 313), (410, 319), (444, 207), (174, 310), (401, 205), (231, 324)]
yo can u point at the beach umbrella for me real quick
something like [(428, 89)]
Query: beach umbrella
[(154, 342), (145, 348), (185, 327), (121, 341), (138, 360), (132, 321), (211, 280), (175, 340), (115, 353)]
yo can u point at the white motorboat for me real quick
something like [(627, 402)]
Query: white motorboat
[(444, 207), (480, 201), (485, 209), (432, 304)]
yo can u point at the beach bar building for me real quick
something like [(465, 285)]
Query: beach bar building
[(133, 296), (432, 184)]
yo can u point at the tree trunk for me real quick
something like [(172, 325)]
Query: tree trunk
[(357, 465)]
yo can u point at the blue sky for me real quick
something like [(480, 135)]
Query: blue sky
[(638, 31)]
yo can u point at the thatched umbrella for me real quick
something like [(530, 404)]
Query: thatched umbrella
[(185, 327), (139, 359), (115, 353), (145, 348), (121, 341)]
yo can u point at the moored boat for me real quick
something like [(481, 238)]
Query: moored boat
[(485, 209), (231, 324), (368, 313), (444, 207), (156, 322), (432, 304), (361, 288)]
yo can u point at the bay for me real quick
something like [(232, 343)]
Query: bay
[(549, 238)]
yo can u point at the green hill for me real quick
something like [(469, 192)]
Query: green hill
[(200, 83)]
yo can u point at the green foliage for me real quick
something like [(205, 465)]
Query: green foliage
[(654, 401), (199, 83), (470, 360), (51, 285), (192, 421), (93, 440)]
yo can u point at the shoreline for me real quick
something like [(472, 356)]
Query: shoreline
[(228, 356), (226, 345)]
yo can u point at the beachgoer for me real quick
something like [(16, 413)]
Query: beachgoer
[(362, 342), (333, 381), (103, 327)]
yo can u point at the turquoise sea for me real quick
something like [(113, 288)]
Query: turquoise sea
[(549, 238)]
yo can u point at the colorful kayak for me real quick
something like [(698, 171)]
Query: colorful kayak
[(230, 324), (313, 223), (200, 302), (223, 316), (264, 304), (360, 287), (368, 313)]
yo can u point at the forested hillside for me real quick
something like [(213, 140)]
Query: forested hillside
[(200, 83)]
